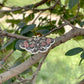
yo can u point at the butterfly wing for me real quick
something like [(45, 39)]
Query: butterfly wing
[(30, 46), (36, 45), (24, 45), (45, 43)]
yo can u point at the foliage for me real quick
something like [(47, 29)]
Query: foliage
[(63, 69), (68, 9), (75, 51)]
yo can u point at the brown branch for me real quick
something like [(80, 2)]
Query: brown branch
[(37, 17), (54, 29), (28, 63), (67, 22), (33, 79), (12, 9), (3, 33), (38, 69), (5, 58), (40, 3), (17, 70), (26, 8), (50, 8)]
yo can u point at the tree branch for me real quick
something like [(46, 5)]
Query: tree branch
[(3, 33), (38, 69), (54, 29), (50, 8), (40, 3), (34, 76), (26, 8), (4, 59), (28, 63)]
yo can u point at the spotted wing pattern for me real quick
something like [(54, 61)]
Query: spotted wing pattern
[(37, 44)]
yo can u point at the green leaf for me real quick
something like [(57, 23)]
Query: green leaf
[(16, 46), (13, 21), (80, 62), (82, 55), (27, 28), (47, 26), (78, 38), (20, 59), (60, 31), (82, 24), (43, 31), (17, 63), (74, 51), (29, 34), (29, 18), (21, 26), (8, 43), (72, 3)]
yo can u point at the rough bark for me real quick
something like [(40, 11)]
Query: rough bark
[(28, 63)]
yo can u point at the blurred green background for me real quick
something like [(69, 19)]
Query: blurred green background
[(57, 68)]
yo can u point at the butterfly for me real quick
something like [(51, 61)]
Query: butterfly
[(37, 44)]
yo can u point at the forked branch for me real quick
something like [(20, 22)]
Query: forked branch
[(28, 63)]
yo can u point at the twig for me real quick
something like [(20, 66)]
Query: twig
[(40, 3), (33, 79), (3, 33), (67, 22), (50, 8), (55, 29), (4, 59), (37, 17), (28, 63), (27, 8), (38, 69)]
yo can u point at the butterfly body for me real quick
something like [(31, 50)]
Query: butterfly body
[(37, 44)]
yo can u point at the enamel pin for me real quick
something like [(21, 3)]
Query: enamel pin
[(37, 44)]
